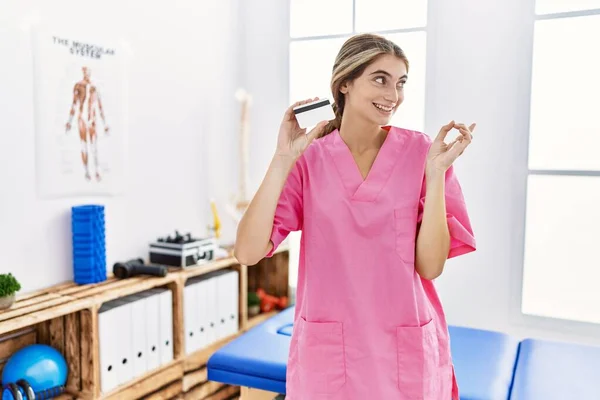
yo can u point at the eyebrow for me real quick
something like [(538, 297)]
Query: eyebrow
[(380, 71)]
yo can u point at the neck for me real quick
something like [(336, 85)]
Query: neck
[(360, 135)]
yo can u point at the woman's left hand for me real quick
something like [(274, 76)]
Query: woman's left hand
[(441, 154)]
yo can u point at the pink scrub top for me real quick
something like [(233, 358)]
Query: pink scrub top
[(366, 325)]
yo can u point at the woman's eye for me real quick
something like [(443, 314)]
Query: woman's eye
[(401, 84), (380, 78)]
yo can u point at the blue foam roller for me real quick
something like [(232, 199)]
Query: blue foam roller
[(87, 232), (88, 208), (89, 243), (89, 253), (86, 263)]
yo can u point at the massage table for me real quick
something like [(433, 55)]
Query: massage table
[(484, 362), (550, 370), (256, 361)]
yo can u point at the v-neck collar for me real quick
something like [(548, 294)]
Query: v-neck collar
[(367, 189)]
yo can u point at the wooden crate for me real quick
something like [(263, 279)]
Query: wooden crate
[(270, 274), (65, 316), (64, 333), (9, 344), (39, 306)]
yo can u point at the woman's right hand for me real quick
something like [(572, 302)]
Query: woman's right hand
[(293, 140)]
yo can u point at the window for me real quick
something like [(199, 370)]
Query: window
[(562, 228), (319, 28), (317, 31)]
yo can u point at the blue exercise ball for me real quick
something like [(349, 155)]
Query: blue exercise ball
[(41, 365)]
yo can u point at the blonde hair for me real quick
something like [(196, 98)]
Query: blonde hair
[(356, 54)]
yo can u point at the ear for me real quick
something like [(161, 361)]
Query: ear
[(344, 88)]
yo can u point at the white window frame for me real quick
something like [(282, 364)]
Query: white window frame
[(354, 31), (517, 317)]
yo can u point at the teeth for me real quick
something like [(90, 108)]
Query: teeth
[(384, 108)]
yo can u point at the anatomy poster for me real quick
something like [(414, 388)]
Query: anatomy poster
[(80, 114)]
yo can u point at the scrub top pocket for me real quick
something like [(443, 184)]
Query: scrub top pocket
[(321, 356), (418, 362)]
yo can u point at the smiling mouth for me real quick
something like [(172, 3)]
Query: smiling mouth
[(383, 109)]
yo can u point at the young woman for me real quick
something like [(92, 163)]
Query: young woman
[(380, 210)]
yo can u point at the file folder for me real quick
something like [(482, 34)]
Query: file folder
[(139, 334), (202, 313), (190, 316), (233, 323), (166, 325), (123, 344), (107, 339), (211, 311), (227, 283), (152, 303)]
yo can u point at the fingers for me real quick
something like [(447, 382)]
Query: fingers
[(456, 149), (466, 133), (458, 145), (471, 127), (316, 131), (461, 127), (289, 113), (444, 130)]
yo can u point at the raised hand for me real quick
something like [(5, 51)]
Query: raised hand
[(441, 154), (293, 140)]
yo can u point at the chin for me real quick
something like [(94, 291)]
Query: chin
[(387, 121), (383, 121)]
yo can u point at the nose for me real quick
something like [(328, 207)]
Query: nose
[(392, 95)]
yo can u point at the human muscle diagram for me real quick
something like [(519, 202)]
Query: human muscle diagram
[(87, 105), (80, 114)]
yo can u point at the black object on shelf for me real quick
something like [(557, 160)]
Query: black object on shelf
[(136, 267)]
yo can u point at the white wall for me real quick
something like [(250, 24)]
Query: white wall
[(478, 70), (183, 73)]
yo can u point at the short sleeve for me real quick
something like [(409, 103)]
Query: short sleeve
[(462, 239), (288, 214)]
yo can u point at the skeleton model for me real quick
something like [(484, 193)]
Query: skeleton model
[(241, 201), (86, 100)]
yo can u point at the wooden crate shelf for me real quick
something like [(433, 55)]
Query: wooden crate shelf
[(65, 316), (148, 383)]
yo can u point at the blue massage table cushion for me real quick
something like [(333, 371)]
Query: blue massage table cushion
[(484, 362), (552, 370), (258, 358)]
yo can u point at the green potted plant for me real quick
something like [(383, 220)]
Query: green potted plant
[(9, 285), (253, 304)]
